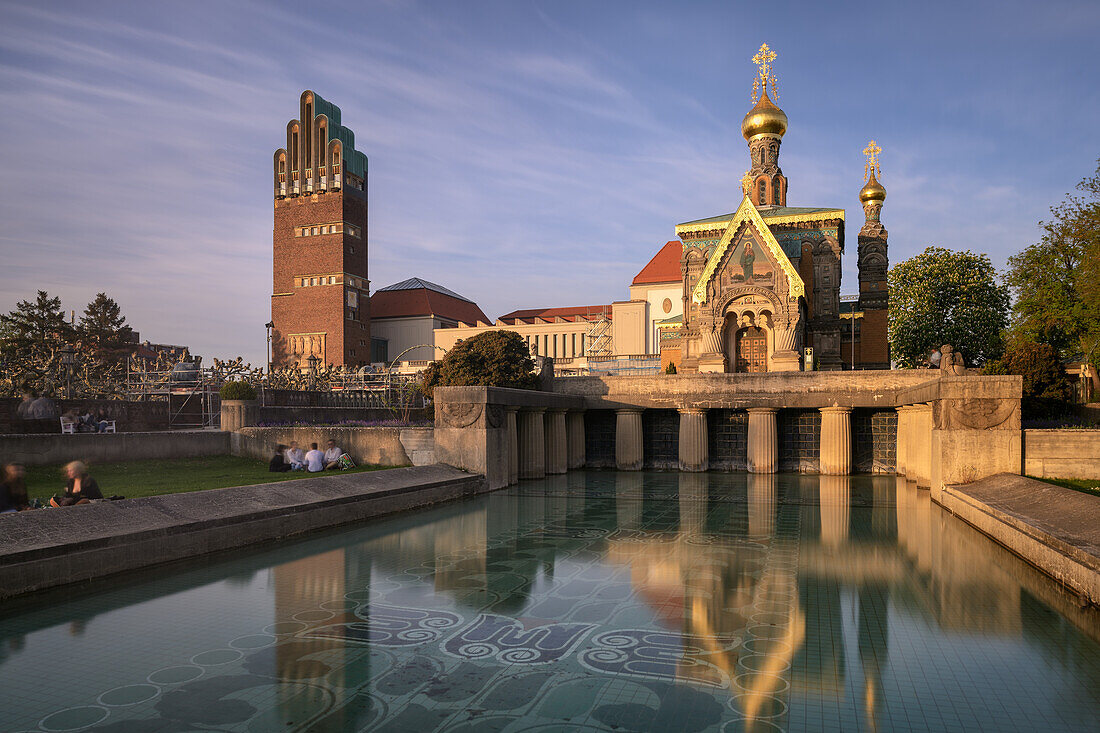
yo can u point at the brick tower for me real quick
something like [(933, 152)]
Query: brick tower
[(320, 303), (874, 346)]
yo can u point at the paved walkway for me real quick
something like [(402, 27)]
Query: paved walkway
[(1053, 528), (50, 547)]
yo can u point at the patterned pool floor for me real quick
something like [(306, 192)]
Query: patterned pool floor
[(592, 601)]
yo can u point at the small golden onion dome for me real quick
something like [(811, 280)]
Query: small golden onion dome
[(872, 190), (764, 119)]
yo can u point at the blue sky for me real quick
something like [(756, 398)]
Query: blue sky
[(524, 154)]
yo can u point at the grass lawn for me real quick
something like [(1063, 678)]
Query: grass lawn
[(170, 476), (1084, 485)]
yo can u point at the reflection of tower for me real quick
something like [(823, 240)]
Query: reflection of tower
[(303, 586), (874, 349), (835, 500), (763, 128), (762, 504)]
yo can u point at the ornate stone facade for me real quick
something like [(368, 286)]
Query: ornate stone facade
[(761, 285)]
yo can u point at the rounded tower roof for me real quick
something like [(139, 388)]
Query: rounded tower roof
[(764, 119), (872, 190)]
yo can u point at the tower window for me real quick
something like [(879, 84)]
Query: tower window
[(762, 196)]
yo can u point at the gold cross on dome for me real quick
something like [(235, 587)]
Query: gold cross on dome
[(871, 151), (763, 59)]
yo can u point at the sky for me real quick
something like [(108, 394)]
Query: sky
[(524, 154)]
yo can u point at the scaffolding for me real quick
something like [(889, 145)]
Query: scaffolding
[(190, 391), (598, 337)]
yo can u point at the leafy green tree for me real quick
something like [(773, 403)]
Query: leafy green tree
[(946, 297), (1056, 282), (492, 358)]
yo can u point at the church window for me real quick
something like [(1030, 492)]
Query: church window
[(761, 157), (775, 192), (331, 279), (763, 195), (313, 231)]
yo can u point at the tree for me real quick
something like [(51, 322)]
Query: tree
[(492, 358), (31, 337), (1056, 282), (946, 297), (103, 326), (1047, 390)]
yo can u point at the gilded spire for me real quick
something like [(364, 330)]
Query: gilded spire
[(873, 193), (872, 166), (763, 60)]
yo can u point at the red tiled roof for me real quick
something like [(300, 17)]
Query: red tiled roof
[(664, 267), (574, 313), (423, 302)]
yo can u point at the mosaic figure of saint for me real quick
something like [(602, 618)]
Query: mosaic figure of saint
[(746, 261)]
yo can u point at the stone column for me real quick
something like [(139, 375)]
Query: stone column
[(556, 446), (904, 441), (628, 439), (763, 445), (512, 431), (836, 441), (574, 429), (693, 439), (919, 459), (532, 443)]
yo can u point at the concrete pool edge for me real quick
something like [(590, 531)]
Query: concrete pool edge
[(49, 548), (1051, 527)]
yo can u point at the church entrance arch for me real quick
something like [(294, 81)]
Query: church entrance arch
[(750, 349)]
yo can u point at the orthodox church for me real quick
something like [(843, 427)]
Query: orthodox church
[(761, 285)]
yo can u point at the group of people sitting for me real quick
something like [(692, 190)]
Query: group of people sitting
[(291, 458), (87, 422), (80, 488)]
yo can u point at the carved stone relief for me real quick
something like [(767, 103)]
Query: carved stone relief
[(976, 413)]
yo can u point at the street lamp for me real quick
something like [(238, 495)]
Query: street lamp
[(68, 359), (313, 362), (269, 325)]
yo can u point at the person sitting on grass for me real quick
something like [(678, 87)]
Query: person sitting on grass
[(295, 457), (278, 463), (315, 459), (332, 455), (13, 490), (80, 488)]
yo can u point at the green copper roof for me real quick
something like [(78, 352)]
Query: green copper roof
[(768, 212), (671, 321), (354, 161)]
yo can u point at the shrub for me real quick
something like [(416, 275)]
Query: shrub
[(237, 390), (670, 369), (490, 359)]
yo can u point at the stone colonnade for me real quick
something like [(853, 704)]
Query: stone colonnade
[(550, 440), (763, 442)]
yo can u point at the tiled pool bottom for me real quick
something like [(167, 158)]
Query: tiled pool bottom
[(593, 601)]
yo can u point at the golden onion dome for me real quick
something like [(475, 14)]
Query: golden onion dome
[(872, 190), (764, 119)]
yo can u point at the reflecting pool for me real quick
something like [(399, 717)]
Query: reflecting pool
[(592, 601)]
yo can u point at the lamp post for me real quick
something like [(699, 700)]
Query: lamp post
[(313, 362), (68, 359), (269, 325)]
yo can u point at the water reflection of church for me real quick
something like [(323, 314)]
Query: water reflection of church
[(765, 586)]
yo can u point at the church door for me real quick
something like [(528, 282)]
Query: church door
[(752, 350)]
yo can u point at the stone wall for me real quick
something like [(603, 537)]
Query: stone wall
[(137, 417), (39, 450), (1062, 453), (599, 438), (727, 436), (366, 446), (772, 389), (257, 413)]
